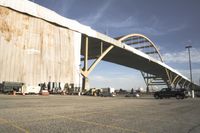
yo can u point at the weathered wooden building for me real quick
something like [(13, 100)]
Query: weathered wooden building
[(34, 48)]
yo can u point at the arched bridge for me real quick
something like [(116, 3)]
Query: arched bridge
[(136, 51)]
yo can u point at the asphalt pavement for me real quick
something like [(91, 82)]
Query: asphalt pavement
[(85, 114)]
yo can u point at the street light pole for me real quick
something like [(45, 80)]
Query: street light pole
[(190, 65)]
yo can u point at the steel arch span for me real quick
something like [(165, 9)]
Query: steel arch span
[(144, 44), (135, 51)]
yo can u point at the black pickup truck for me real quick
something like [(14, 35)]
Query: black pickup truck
[(169, 92), (8, 87)]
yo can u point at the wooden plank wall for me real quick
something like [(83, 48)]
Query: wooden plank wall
[(34, 51)]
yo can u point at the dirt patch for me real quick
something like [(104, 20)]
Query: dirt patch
[(4, 11), (6, 30), (7, 27)]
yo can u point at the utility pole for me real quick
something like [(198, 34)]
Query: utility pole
[(190, 65), (188, 47)]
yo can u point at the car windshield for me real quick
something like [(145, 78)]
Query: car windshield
[(166, 89)]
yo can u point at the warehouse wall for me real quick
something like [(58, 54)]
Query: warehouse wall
[(35, 51)]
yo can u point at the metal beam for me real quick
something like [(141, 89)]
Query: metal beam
[(131, 38), (157, 84), (169, 78), (152, 77), (85, 83), (83, 73), (86, 55), (189, 84), (184, 83), (86, 71), (178, 82), (136, 42), (153, 52), (101, 47), (99, 59), (174, 79), (145, 80), (142, 47), (90, 57)]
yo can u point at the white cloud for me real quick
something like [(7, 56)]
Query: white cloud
[(156, 30), (178, 28), (62, 7), (182, 57), (65, 9), (94, 18), (148, 30), (195, 74), (117, 80), (152, 25), (132, 24), (128, 22), (187, 72)]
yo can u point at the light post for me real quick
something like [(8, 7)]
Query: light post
[(190, 65), (188, 47)]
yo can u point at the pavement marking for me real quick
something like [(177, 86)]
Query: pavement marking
[(100, 124), (160, 120), (70, 117), (3, 121), (13, 125), (90, 113), (41, 119), (60, 116)]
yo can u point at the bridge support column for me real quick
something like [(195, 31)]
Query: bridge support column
[(85, 83), (169, 81), (147, 89), (86, 71), (178, 83), (173, 83)]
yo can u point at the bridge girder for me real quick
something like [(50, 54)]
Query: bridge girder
[(98, 49)]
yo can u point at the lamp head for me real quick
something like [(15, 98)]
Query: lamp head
[(189, 46)]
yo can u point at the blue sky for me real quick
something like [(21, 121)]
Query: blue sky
[(170, 24)]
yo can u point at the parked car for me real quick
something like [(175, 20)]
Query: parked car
[(197, 94), (107, 92), (9, 87), (170, 92), (132, 95)]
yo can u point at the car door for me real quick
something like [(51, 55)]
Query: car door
[(168, 92), (163, 92)]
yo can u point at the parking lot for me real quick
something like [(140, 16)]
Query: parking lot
[(84, 114)]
